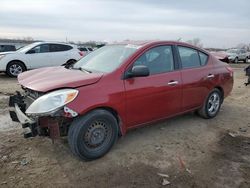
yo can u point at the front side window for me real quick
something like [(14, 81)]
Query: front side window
[(189, 57), (158, 60), (43, 48), (107, 58)]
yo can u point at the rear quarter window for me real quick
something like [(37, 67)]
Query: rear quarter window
[(59, 47), (203, 58)]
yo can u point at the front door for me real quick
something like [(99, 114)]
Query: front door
[(157, 95), (38, 56)]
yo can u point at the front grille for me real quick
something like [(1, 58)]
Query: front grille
[(31, 93), (30, 96)]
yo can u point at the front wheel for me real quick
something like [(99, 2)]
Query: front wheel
[(14, 68), (92, 136), (212, 104)]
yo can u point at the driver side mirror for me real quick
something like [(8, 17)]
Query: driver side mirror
[(138, 71)]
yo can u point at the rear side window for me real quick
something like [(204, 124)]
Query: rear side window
[(189, 57), (59, 47), (203, 58)]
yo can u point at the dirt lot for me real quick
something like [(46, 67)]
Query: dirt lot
[(193, 152)]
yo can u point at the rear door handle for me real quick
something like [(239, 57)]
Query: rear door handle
[(172, 83), (210, 76)]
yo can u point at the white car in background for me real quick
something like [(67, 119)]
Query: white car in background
[(37, 55), (236, 55)]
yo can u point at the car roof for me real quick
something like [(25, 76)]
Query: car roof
[(158, 42), (51, 42), (148, 42)]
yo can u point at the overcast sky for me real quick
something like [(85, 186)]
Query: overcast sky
[(218, 23)]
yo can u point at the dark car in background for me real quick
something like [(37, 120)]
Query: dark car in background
[(7, 48)]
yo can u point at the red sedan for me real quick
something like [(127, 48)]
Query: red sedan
[(119, 87)]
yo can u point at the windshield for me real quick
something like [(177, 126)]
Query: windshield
[(28, 47), (232, 51), (107, 58)]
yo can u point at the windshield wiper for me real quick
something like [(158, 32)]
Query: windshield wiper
[(82, 69)]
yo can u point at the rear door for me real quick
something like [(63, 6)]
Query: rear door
[(60, 54), (157, 95), (197, 75)]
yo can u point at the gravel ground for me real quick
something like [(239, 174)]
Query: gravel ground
[(191, 151)]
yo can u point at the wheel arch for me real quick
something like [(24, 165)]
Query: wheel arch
[(69, 61), (115, 113), (222, 92), (17, 61)]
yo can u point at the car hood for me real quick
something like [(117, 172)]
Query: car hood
[(5, 53), (51, 78)]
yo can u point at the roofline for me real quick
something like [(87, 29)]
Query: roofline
[(53, 42), (159, 42)]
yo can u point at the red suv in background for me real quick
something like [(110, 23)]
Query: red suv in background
[(119, 87)]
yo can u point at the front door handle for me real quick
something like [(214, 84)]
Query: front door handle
[(210, 76), (172, 83)]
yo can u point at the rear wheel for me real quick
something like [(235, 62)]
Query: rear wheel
[(14, 68), (212, 105), (92, 136), (70, 63)]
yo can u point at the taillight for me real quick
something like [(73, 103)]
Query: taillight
[(230, 70), (81, 53)]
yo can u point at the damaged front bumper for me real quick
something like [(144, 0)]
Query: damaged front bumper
[(18, 115), (53, 127)]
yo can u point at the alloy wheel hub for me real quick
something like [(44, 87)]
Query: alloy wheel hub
[(15, 69), (213, 103)]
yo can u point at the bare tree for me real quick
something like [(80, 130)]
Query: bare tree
[(196, 42)]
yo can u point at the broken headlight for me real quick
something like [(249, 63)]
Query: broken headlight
[(51, 102)]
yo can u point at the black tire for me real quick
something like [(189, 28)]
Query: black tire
[(207, 111), (14, 68), (70, 63), (91, 136)]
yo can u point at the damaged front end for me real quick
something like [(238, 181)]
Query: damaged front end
[(43, 114)]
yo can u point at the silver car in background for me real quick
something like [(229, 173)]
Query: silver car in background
[(236, 55)]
